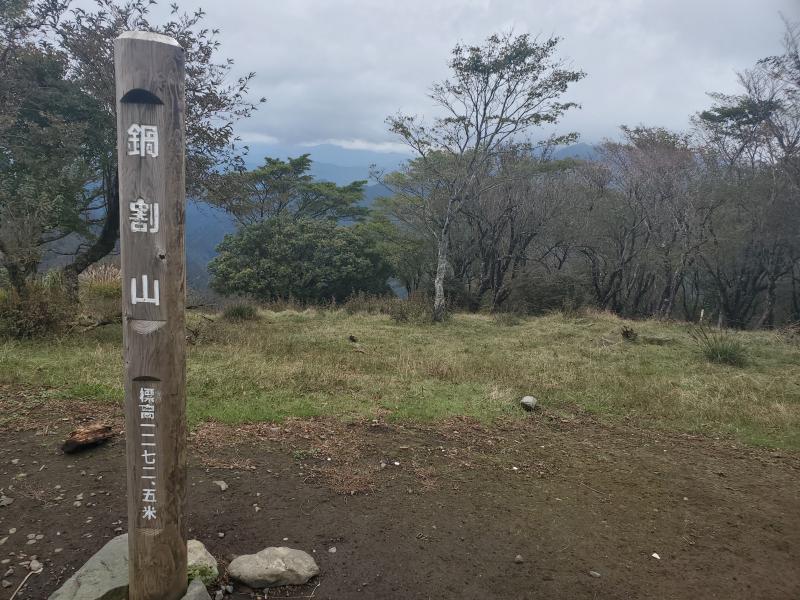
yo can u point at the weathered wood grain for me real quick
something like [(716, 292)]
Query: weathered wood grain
[(154, 344), (85, 437)]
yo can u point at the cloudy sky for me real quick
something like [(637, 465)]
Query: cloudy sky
[(333, 70)]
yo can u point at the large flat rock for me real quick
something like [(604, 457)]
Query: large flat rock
[(103, 577)]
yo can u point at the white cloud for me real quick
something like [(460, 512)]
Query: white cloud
[(255, 137), (357, 144), (334, 70)]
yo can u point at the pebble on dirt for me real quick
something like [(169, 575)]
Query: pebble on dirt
[(528, 403), (594, 573), (518, 559), (222, 485)]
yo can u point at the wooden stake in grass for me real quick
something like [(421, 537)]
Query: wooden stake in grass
[(150, 142)]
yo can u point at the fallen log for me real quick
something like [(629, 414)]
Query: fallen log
[(85, 437)]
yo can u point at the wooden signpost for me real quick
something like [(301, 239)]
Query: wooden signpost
[(150, 143)]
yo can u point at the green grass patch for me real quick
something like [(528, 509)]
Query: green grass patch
[(303, 364)]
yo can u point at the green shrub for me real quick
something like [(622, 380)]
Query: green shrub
[(41, 309), (204, 572), (720, 347), (240, 312), (309, 260), (415, 309)]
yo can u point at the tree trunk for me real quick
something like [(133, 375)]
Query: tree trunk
[(102, 246), (439, 306), (16, 277), (768, 318)]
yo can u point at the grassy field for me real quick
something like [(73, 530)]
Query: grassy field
[(303, 364)]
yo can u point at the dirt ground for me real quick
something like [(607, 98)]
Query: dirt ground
[(434, 512)]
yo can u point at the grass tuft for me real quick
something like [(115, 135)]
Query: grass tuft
[(721, 347), (240, 312)]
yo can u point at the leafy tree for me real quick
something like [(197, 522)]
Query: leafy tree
[(281, 188), (310, 260), (44, 121), (82, 45), (409, 254), (497, 92)]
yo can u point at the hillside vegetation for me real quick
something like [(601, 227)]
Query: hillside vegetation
[(305, 364)]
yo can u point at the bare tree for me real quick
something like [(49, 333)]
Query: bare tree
[(497, 92), (523, 193)]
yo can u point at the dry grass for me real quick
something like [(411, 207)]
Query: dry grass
[(301, 364)]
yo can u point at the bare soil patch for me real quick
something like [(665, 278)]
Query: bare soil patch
[(428, 512)]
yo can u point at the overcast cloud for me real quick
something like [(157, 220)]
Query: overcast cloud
[(333, 70)]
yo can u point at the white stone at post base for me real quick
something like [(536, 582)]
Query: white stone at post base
[(197, 591), (273, 567)]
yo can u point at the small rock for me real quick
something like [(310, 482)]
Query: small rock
[(14, 461), (12, 531), (31, 536), (202, 565), (222, 485), (229, 589), (332, 549), (220, 535), (35, 566), (528, 403), (3, 540), (656, 556), (273, 567), (518, 559), (76, 504), (196, 591), (6, 583), (6, 501), (9, 573), (594, 573), (219, 595)]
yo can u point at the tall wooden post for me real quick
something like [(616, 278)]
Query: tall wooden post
[(150, 143)]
